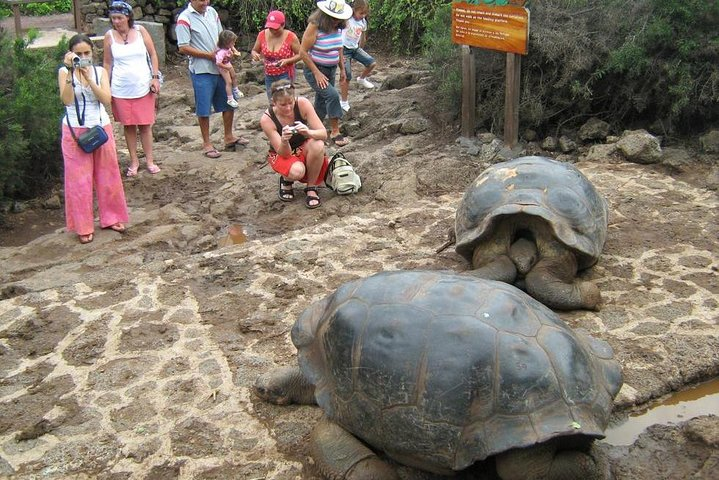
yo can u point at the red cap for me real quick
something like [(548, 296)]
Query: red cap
[(275, 19)]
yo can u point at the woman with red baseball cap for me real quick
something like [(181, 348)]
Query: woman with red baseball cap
[(280, 49)]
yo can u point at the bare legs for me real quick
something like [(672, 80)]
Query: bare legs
[(314, 157), (131, 140), (227, 123), (230, 81)]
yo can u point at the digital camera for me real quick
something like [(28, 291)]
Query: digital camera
[(78, 62), (293, 130)]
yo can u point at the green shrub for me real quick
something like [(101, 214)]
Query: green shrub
[(443, 57), (650, 63), (57, 6), (402, 21), (405, 21), (30, 112)]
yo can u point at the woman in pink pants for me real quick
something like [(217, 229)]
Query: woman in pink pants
[(85, 90)]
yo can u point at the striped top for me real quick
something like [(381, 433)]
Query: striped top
[(326, 50)]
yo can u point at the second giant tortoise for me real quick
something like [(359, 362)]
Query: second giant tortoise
[(441, 370), (534, 222)]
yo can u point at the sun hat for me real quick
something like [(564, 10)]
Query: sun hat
[(275, 19), (121, 7), (335, 9)]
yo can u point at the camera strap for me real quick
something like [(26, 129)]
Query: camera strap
[(80, 119)]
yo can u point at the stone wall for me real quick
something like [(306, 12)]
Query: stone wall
[(163, 12)]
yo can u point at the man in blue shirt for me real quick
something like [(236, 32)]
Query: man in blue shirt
[(198, 28)]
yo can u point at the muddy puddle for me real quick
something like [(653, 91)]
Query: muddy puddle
[(235, 235), (702, 399)]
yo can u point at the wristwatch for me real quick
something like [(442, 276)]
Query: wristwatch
[(157, 76)]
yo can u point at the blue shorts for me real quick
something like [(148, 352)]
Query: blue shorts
[(270, 79), (357, 54), (209, 90)]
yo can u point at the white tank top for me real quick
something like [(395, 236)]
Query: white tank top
[(131, 75), (95, 113)]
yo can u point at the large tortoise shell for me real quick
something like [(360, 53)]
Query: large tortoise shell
[(538, 186), (440, 370)]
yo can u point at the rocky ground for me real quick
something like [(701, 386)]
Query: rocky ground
[(134, 356)]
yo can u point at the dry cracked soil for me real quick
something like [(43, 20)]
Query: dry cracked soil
[(133, 357)]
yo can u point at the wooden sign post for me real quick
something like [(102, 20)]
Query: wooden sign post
[(501, 25)]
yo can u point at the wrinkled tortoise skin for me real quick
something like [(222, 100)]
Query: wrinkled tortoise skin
[(555, 191), (440, 370)]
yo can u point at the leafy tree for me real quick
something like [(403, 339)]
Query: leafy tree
[(30, 158)]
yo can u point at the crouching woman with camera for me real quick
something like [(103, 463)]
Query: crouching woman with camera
[(297, 148), (88, 145)]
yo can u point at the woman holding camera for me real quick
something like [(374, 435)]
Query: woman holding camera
[(131, 59), (85, 90), (280, 49), (297, 148)]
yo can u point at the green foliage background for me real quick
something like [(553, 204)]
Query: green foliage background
[(30, 158), (56, 6), (649, 63), (400, 21)]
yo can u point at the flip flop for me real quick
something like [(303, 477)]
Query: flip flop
[(240, 142), (86, 238), (340, 140), (213, 153), (153, 169), (132, 171), (118, 227)]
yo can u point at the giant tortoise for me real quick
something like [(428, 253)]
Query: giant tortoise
[(440, 370), (534, 222)]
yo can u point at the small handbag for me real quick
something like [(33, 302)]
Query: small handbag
[(90, 140), (96, 136)]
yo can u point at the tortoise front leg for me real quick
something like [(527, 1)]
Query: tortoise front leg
[(339, 455)]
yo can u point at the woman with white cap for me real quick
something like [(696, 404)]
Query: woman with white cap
[(280, 49), (321, 51)]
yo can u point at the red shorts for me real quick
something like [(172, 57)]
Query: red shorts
[(282, 165)]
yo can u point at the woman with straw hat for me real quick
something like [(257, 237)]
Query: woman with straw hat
[(321, 51)]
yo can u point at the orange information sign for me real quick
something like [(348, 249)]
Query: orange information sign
[(504, 28)]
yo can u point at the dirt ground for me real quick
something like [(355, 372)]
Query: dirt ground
[(134, 356)]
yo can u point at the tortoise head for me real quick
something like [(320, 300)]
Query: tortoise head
[(284, 385)]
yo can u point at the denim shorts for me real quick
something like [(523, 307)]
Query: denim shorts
[(209, 91), (357, 54), (270, 79)]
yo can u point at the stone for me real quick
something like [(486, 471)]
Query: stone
[(639, 146), (710, 141), (678, 158), (529, 135), (566, 144), (486, 137), (594, 129), (549, 144), (53, 203), (414, 125), (601, 153)]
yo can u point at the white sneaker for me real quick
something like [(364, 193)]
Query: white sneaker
[(345, 104), (237, 93), (364, 82), (232, 102)]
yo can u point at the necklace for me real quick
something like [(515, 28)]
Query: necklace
[(124, 37)]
